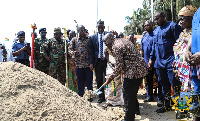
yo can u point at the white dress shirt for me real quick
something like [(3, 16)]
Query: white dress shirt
[(99, 35)]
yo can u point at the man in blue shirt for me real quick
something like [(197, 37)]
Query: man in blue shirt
[(166, 35), (21, 50), (146, 48)]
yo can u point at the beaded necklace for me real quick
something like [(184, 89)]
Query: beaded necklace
[(183, 35), (109, 51)]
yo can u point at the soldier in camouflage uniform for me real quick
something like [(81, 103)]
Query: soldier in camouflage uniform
[(55, 47), (41, 63)]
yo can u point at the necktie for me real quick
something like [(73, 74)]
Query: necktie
[(101, 47)]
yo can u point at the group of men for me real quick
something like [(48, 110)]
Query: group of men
[(50, 54), (157, 50)]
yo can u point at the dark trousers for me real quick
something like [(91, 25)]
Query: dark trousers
[(24, 61), (167, 79), (160, 92), (130, 90), (84, 74), (100, 72), (149, 80)]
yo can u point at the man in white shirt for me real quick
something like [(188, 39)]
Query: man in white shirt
[(97, 58)]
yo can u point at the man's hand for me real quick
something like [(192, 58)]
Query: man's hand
[(25, 48), (150, 64), (91, 67), (73, 54), (188, 55), (114, 33), (195, 59), (108, 80)]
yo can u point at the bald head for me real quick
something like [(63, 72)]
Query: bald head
[(108, 39), (108, 36), (148, 26), (148, 22), (161, 13), (160, 18)]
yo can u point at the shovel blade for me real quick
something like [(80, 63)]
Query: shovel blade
[(97, 92)]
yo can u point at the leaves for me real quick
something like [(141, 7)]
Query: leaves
[(137, 20)]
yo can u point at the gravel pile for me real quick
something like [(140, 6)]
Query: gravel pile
[(28, 94)]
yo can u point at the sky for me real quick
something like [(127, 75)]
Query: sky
[(18, 15)]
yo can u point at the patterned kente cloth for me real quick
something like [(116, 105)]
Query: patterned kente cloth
[(181, 64)]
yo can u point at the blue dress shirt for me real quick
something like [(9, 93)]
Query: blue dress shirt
[(146, 46), (165, 37), (16, 47)]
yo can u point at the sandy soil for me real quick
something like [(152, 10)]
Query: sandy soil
[(28, 94)]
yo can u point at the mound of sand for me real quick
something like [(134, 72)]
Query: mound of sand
[(28, 94)]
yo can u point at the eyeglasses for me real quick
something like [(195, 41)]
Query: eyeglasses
[(182, 18)]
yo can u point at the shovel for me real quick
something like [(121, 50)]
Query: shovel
[(98, 92)]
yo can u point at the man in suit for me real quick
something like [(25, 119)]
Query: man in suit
[(97, 59)]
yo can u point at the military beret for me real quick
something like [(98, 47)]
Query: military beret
[(57, 30), (42, 29), (21, 33)]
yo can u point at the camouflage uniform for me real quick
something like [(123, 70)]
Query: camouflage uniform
[(42, 63), (56, 50)]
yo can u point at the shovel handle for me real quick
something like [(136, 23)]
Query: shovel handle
[(102, 86)]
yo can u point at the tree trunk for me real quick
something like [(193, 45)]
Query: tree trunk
[(172, 10)]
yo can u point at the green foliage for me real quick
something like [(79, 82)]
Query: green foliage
[(137, 20)]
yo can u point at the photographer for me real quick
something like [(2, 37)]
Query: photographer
[(3, 53), (21, 50)]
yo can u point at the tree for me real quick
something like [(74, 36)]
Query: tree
[(136, 22), (169, 7)]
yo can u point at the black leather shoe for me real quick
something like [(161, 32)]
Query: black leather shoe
[(163, 109), (148, 99), (159, 103), (100, 100), (90, 100)]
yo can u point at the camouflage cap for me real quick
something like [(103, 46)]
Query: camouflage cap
[(57, 30)]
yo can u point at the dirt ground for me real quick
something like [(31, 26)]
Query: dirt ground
[(147, 109)]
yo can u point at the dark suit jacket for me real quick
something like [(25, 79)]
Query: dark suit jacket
[(94, 48)]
